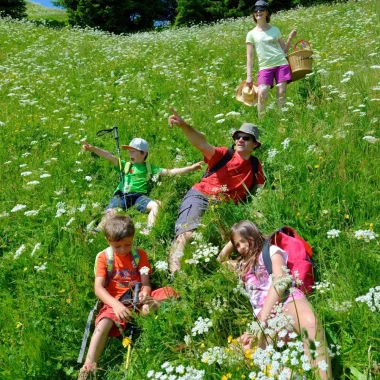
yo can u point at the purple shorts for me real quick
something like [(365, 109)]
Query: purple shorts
[(280, 73)]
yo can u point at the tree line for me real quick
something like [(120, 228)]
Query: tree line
[(126, 16)]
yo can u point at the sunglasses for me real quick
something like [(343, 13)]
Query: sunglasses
[(245, 138), (261, 9)]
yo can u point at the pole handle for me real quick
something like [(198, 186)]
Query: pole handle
[(136, 293), (115, 132)]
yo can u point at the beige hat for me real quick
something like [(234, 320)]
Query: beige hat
[(246, 95)]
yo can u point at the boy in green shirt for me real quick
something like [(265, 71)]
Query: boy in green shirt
[(134, 189)]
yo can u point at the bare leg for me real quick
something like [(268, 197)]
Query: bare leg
[(176, 251), (97, 344), (263, 96), (281, 95), (304, 318), (152, 207)]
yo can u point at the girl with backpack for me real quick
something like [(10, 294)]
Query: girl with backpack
[(266, 291), (271, 52)]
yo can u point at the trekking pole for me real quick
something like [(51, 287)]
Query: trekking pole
[(115, 132), (135, 303)]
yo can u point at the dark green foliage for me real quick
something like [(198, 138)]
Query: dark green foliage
[(116, 16), (196, 11), (13, 8)]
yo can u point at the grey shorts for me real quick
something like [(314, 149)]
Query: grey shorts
[(193, 206)]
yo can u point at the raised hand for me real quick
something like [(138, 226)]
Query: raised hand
[(175, 118)]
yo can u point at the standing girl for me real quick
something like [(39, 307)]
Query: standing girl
[(265, 291), (271, 53)]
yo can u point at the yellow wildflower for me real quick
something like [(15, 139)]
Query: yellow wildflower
[(126, 342), (19, 324), (316, 166)]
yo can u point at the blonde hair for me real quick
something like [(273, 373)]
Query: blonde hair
[(249, 231)]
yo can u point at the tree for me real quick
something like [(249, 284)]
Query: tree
[(196, 11), (13, 8), (117, 16)]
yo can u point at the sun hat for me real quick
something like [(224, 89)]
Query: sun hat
[(250, 129), (262, 3), (247, 95), (137, 143)]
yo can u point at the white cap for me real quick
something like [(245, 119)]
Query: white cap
[(137, 143)]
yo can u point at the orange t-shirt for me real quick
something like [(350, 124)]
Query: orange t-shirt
[(124, 274)]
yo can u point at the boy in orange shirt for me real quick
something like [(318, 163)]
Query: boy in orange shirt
[(119, 231)]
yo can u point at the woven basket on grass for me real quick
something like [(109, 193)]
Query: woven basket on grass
[(300, 60)]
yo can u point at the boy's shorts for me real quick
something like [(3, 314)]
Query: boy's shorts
[(107, 312), (279, 73), (193, 206), (125, 201)]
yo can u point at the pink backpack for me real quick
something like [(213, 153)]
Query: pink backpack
[(299, 255)]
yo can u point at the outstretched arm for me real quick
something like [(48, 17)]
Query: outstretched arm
[(285, 46), (176, 171), (195, 137), (100, 152)]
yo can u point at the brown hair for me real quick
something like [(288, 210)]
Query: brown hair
[(250, 232), (117, 227), (266, 18)]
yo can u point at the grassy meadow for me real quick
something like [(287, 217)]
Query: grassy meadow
[(320, 156)]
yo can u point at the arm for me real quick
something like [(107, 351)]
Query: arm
[(285, 46), (225, 253), (249, 64), (120, 310), (176, 171), (195, 137), (146, 288), (274, 293), (100, 152)]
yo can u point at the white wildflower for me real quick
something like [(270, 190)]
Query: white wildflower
[(332, 234), (18, 208)]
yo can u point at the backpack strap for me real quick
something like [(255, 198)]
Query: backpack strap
[(110, 263), (266, 253), (148, 171), (135, 257), (127, 167), (222, 162), (255, 169)]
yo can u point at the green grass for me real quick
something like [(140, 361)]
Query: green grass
[(50, 16), (59, 86)]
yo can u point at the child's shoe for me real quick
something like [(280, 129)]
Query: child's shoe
[(86, 374), (146, 231)]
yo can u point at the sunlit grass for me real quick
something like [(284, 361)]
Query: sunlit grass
[(321, 160)]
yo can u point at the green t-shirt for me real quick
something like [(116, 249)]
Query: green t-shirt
[(268, 49), (136, 180)]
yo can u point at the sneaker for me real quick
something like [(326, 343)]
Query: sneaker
[(146, 231)]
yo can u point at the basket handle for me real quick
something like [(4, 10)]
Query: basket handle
[(303, 44)]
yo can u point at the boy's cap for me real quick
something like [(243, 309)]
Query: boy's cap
[(262, 3), (250, 129), (137, 143)]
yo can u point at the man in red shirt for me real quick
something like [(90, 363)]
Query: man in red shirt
[(231, 182)]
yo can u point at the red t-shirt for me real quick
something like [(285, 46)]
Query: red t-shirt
[(124, 274), (232, 180)]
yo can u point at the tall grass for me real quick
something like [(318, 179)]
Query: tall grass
[(321, 158)]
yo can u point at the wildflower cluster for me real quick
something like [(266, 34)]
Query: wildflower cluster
[(332, 234), (372, 299), (365, 235), (204, 253), (201, 326), (217, 305), (169, 372)]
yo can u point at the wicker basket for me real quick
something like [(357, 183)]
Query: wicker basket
[(300, 61)]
